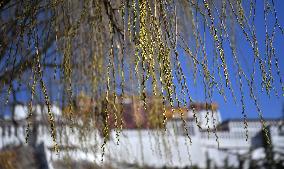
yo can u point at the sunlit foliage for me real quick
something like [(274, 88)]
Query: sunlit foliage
[(111, 50)]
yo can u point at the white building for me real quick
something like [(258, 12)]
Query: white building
[(154, 147)]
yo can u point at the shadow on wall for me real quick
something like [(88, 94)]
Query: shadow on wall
[(23, 157)]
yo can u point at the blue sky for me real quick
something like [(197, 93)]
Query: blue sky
[(272, 105)]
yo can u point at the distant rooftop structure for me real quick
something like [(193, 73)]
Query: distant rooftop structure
[(198, 106), (40, 111)]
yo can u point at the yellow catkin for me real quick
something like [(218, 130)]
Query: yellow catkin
[(46, 98), (106, 128), (30, 105), (218, 43)]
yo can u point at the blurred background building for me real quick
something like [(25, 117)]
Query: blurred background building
[(196, 136)]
